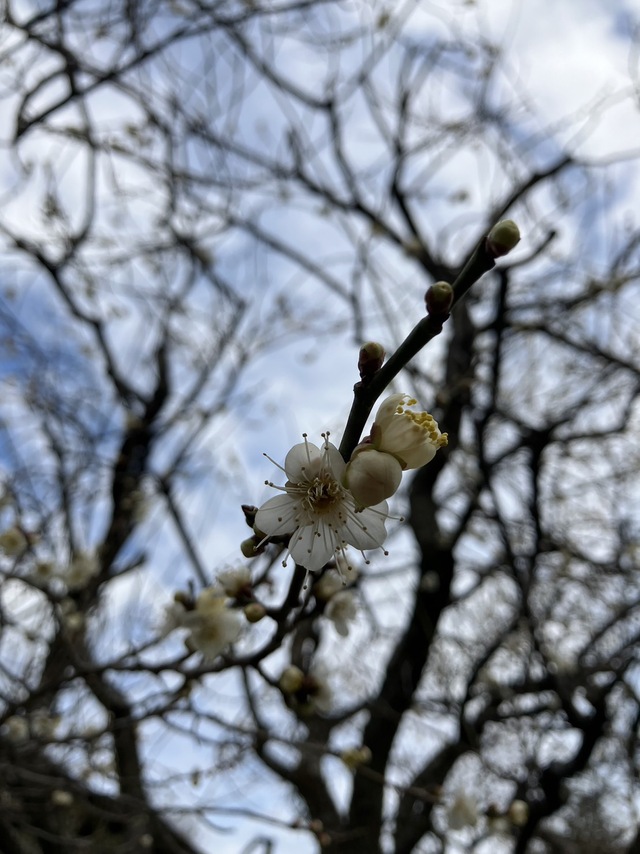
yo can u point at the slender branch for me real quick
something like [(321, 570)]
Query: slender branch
[(365, 395)]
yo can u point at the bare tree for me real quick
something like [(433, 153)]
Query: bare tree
[(189, 187)]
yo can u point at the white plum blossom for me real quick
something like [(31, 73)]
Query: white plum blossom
[(317, 510), (341, 610), (413, 437), (212, 625), (372, 476), (235, 580)]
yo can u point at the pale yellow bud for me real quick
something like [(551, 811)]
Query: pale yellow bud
[(254, 612), (370, 358), (291, 680), (60, 798), (249, 548), (439, 298), (372, 476), (518, 813), (503, 237)]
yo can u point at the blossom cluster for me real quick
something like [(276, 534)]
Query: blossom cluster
[(328, 504)]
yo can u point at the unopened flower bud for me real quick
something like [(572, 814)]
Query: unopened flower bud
[(439, 299), (370, 359), (249, 547), (518, 813), (254, 612), (16, 728), (291, 680), (60, 798), (372, 476), (502, 238)]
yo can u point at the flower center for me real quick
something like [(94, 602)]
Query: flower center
[(323, 493)]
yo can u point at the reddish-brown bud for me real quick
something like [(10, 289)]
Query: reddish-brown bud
[(249, 514)]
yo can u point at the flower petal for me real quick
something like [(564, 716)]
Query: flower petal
[(388, 407), (334, 460), (278, 515), (313, 546), (302, 462), (365, 529)]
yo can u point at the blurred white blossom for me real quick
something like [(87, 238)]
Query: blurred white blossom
[(332, 581), (13, 542), (212, 625), (341, 610), (235, 580)]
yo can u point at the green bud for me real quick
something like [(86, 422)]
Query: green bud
[(249, 547), (370, 359), (254, 612), (502, 238), (439, 299), (291, 680)]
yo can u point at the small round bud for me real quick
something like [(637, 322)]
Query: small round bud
[(370, 359), (249, 547), (60, 798), (254, 612), (16, 729), (439, 299), (372, 476), (291, 680), (518, 813), (502, 238)]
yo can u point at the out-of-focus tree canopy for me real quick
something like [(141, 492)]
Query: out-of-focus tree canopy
[(206, 208)]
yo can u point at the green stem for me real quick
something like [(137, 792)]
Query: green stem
[(364, 396)]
